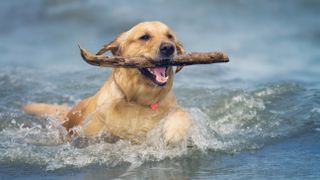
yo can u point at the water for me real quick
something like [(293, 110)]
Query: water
[(257, 117)]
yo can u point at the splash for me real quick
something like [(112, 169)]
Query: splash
[(224, 121)]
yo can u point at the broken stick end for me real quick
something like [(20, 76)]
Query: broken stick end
[(222, 56), (87, 57)]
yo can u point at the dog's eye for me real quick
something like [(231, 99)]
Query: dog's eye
[(169, 36), (145, 37)]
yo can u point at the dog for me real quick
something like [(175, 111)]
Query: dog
[(132, 101)]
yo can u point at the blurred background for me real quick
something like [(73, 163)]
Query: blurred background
[(263, 106), (265, 39)]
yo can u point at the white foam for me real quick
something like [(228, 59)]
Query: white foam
[(44, 146), (265, 92), (316, 110)]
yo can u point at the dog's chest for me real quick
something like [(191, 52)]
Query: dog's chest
[(133, 121)]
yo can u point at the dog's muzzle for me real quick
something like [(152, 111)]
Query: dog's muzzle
[(159, 75)]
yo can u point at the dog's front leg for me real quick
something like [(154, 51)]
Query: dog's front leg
[(95, 125), (176, 126)]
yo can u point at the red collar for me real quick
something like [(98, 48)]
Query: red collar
[(154, 106)]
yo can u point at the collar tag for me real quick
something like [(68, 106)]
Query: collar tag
[(154, 106)]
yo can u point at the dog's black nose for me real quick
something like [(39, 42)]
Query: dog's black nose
[(166, 49)]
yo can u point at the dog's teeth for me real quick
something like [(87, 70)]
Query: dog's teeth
[(150, 70)]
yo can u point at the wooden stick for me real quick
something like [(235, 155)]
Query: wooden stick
[(142, 62)]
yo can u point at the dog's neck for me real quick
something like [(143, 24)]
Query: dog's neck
[(136, 90)]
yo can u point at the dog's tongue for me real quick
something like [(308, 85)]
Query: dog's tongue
[(160, 73)]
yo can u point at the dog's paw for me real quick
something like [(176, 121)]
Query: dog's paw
[(176, 128)]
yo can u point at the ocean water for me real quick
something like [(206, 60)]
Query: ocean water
[(256, 117)]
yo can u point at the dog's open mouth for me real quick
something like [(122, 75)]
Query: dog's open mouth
[(157, 75)]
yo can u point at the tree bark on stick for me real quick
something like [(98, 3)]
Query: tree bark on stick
[(142, 62)]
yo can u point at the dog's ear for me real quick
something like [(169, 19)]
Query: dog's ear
[(180, 50), (113, 46)]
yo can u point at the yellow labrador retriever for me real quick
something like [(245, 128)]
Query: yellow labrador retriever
[(132, 101)]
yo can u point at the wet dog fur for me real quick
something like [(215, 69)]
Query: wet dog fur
[(121, 107)]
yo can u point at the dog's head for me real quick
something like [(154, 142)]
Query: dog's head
[(153, 40)]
